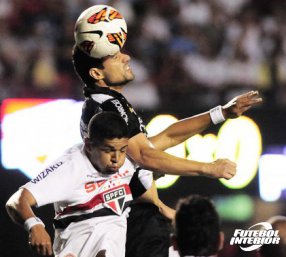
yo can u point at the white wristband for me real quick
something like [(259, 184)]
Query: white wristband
[(217, 115), (29, 223)]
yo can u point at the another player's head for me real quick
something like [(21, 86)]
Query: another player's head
[(111, 71), (107, 141), (277, 250), (197, 227)]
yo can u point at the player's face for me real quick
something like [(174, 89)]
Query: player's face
[(108, 156), (117, 71)]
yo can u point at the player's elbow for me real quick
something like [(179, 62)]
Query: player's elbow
[(11, 202), (10, 207), (14, 203)]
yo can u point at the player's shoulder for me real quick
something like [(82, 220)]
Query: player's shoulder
[(71, 156), (76, 149), (101, 98)]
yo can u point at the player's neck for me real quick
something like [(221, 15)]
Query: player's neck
[(101, 83), (118, 89)]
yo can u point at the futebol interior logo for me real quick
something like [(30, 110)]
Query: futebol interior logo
[(255, 238)]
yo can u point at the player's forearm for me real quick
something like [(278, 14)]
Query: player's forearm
[(181, 131), (156, 160), (19, 208), (160, 161), (165, 210), (151, 195), (153, 198)]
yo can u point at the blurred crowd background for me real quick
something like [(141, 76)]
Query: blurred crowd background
[(185, 53)]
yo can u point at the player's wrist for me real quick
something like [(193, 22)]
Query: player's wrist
[(31, 222), (217, 114), (207, 169)]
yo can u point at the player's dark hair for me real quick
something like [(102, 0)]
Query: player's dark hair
[(107, 125), (83, 63), (197, 227)]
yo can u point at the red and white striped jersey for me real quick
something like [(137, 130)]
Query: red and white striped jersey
[(78, 191)]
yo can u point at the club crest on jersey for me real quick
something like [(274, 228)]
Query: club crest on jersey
[(115, 199)]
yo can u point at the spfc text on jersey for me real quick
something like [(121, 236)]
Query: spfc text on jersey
[(114, 194)]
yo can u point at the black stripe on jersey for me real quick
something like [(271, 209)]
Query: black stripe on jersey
[(137, 188), (65, 222)]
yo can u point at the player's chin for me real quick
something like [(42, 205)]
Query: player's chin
[(122, 82), (111, 170), (129, 75)]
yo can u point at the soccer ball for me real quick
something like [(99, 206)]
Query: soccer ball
[(100, 31)]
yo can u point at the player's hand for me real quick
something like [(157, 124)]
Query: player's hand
[(221, 168), (40, 241), (240, 104)]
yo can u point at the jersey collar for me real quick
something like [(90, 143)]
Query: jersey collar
[(88, 91)]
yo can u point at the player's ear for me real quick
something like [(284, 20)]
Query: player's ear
[(96, 73), (88, 144)]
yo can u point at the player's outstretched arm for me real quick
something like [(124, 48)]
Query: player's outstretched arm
[(19, 208), (146, 156), (186, 128)]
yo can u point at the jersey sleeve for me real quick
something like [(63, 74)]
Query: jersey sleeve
[(53, 184), (140, 182)]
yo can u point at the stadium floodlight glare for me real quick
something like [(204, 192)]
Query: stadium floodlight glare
[(272, 179), (155, 126), (240, 141), (36, 131), (235, 208)]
